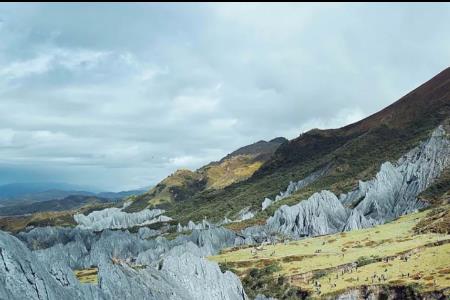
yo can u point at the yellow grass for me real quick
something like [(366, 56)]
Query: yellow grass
[(89, 275), (299, 259), (232, 170), (217, 176), (429, 267)]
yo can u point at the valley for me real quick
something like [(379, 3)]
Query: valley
[(350, 213)]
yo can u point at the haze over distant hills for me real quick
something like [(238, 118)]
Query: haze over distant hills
[(28, 192)]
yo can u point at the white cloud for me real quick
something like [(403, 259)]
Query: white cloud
[(112, 106), (18, 69), (50, 59), (343, 117)]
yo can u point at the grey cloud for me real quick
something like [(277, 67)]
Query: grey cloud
[(120, 95)]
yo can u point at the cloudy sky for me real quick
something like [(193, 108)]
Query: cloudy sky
[(118, 96)]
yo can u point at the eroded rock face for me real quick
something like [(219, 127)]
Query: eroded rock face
[(192, 226), (322, 213), (200, 278), (23, 276), (245, 214), (115, 218), (395, 189), (129, 267), (392, 193), (295, 186)]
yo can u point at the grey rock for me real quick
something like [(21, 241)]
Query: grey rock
[(392, 193), (147, 233), (266, 203), (173, 269), (322, 213), (115, 218), (245, 214), (22, 276), (192, 226), (394, 190), (295, 186)]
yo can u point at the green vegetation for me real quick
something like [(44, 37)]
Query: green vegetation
[(185, 184), (351, 159), (328, 259), (439, 191), (89, 275), (354, 152), (436, 221), (265, 281)]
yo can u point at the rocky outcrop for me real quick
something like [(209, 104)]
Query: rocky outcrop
[(200, 278), (295, 186), (394, 190), (22, 276), (266, 203), (147, 233), (129, 267), (192, 226), (392, 193), (322, 213), (115, 218), (245, 214)]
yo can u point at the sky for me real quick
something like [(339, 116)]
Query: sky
[(118, 96)]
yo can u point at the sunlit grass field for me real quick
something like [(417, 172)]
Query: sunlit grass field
[(322, 260)]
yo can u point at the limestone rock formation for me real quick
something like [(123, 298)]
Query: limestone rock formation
[(392, 193), (245, 214), (22, 276), (129, 267), (322, 213), (115, 218), (191, 226), (295, 186)]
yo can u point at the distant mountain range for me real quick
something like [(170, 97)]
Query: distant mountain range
[(30, 192), (67, 203)]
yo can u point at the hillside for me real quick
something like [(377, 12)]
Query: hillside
[(349, 260), (185, 184), (351, 153)]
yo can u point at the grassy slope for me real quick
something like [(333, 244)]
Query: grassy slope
[(356, 159), (299, 261), (227, 172), (185, 184)]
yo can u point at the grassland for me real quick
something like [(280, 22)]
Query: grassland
[(89, 275), (234, 169), (330, 260), (185, 184)]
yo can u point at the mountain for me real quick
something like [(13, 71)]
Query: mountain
[(358, 212), (349, 154), (185, 184), (67, 203), (26, 193), (19, 189)]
